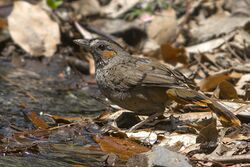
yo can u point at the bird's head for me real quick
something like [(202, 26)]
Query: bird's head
[(102, 50)]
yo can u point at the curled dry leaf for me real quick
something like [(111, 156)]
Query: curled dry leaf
[(36, 120), (173, 55), (208, 131), (211, 82), (244, 80), (33, 30), (225, 90)]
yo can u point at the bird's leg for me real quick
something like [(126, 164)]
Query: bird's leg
[(149, 119)]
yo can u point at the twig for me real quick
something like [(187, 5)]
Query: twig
[(83, 32), (233, 52), (62, 126), (207, 160), (245, 49), (242, 69), (190, 12), (202, 66), (245, 158)]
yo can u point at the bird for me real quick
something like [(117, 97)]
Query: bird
[(142, 85)]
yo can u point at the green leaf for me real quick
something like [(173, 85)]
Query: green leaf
[(53, 4)]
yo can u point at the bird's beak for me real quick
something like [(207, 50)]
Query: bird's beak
[(85, 43)]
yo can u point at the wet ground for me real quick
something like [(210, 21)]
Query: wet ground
[(46, 87)]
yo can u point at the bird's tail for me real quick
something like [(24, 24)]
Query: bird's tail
[(187, 96)]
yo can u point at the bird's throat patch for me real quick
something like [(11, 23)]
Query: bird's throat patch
[(107, 54)]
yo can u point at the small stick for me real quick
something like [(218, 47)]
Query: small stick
[(245, 158)]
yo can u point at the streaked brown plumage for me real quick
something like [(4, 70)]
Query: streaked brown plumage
[(133, 83)]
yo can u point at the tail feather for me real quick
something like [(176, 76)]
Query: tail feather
[(186, 96)]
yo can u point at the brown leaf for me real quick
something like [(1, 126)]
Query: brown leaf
[(199, 125), (209, 133), (225, 90), (173, 55), (211, 82), (121, 147), (36, 120), (65, 120)]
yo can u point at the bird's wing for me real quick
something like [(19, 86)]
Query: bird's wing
[(159, 75), (148, 73)]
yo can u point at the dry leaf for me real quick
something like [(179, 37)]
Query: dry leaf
[(143, 136), (209, 133), (36, 120), (225, 90), (173, 55), (208, 46), (163, 27), (217, 25), (245, 79), (121, 147), (33, 30), (173, 139), (235, 75), (199, 125), (211, 82)]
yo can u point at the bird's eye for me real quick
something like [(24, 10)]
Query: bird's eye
[(102, 47)]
